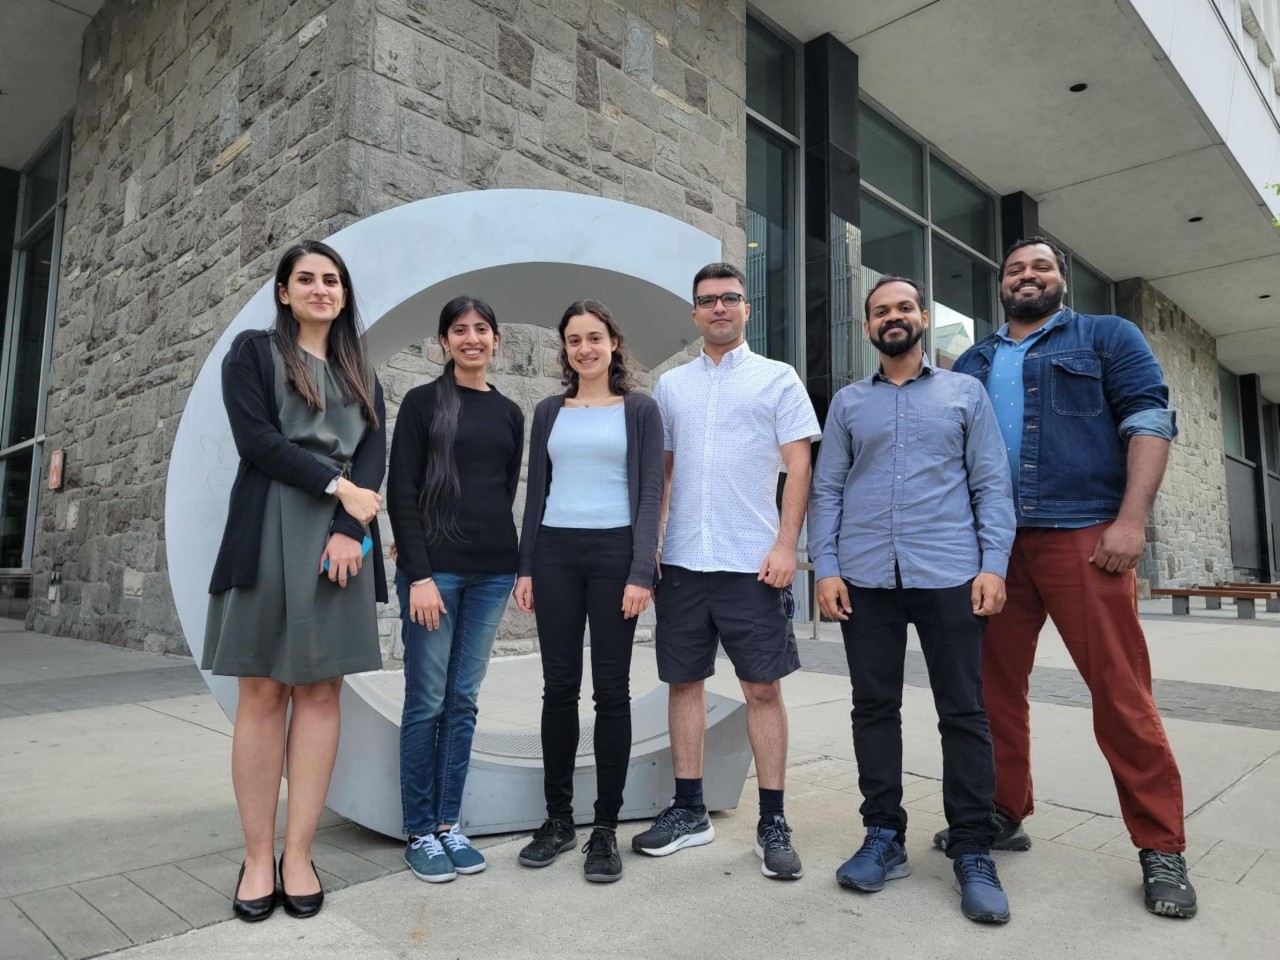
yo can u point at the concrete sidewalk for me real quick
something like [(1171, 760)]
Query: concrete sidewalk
[(118, 828)]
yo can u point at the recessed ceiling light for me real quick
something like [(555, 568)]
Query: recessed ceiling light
[(1078, 87), (752, 245), (1194, 219)]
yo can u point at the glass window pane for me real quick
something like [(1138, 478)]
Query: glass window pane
[(1270, 425), (963, 303), (771, 76), (15, 486), (1232, 425), (770, 243), (42, 184), (891, 161), (27, 345), (961, 209), (892, 245), (1090, 293)]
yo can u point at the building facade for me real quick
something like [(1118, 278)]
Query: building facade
[(824, 144)]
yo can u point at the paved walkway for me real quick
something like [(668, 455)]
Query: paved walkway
[(118, 828)]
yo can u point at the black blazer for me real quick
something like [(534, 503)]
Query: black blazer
[(249, 392), (645, 478)]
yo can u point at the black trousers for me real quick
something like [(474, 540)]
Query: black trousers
[(578, 578), (875, 641)]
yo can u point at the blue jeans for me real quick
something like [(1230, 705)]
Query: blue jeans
[(443, 669)]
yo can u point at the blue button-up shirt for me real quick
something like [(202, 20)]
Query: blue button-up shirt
[(913, 475)]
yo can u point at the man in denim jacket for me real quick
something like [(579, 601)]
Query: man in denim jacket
[(1085, 416)]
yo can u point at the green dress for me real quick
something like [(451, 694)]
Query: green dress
[(295, 625)]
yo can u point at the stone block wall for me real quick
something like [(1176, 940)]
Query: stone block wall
[(1188, 534), (210, 134)]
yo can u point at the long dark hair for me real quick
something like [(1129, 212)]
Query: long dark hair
[(441, 488), (345, 343), (621, 381)]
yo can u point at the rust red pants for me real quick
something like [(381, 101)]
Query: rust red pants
[(1097, 615)]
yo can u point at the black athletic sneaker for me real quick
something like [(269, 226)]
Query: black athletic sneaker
[(1009, 835), (603, 863), (779, 860), (549, 841), (1167, 890), (673, 828)]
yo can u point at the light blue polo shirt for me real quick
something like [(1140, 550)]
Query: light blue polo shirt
[(1004, 386)]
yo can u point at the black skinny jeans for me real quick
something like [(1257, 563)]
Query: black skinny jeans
[(875, 643), (578, 578)]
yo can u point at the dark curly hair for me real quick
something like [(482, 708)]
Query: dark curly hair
[(621, 380)]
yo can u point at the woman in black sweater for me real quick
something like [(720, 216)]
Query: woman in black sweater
[(290, 610), (587, 556), (455, 465)]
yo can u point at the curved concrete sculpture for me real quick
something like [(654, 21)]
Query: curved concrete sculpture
[(528, 252)]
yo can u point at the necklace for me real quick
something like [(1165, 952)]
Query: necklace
[(613, 402)]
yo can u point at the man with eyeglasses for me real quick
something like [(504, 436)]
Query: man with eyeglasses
[(731, 420)]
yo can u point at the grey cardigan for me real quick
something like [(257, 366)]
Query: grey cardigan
[(644, 482)]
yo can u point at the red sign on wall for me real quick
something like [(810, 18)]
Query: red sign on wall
[(55, 470)]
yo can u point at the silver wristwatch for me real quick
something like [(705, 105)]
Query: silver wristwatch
[(332, 487)]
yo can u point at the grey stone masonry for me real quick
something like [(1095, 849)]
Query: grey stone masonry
[(208, 135), (1188, 533)]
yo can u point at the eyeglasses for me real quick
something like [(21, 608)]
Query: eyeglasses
[(707, 300)]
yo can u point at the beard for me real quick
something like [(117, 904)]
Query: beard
[(898, 346), (1046, 302)]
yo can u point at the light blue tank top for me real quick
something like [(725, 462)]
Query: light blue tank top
[(588, 452)]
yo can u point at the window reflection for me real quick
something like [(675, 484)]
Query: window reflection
[(963, 302), (1090, 293), (771, 76), (890, 160), (961, 209), (770, 243)]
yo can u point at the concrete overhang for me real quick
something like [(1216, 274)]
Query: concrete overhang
[(40, 43), (1173, 125)]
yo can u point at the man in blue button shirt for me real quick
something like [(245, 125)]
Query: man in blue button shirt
[(1084, 413), (911, 521)]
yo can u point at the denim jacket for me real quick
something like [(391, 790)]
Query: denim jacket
[(1090, 383)]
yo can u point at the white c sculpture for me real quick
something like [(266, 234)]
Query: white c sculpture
[(528, 253)]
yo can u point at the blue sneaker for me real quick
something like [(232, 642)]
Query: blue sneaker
[(981, 896), (428, 861), (881, 857), (465, 857)]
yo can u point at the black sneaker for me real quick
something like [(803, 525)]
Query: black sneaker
[(603, 863), (779, 860), (1167, 890), (1009, 835), (549, 841), (673, 828)]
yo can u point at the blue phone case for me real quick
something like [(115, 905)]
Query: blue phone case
[(365, 546)]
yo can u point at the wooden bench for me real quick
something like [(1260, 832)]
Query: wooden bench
[(1244, 598)]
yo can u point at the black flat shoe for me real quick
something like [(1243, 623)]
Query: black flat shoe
[(307, 905), (251, 911)]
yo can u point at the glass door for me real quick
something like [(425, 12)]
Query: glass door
[(25, 349)]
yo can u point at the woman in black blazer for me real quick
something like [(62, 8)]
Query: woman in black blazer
[(291, 606), (588, 554)]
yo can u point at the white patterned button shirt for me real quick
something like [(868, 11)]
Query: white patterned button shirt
[(725, 424)]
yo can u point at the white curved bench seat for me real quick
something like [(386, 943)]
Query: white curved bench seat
[(504, 786)]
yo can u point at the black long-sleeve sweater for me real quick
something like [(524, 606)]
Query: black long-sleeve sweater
[(488, 449), (249, 393)]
